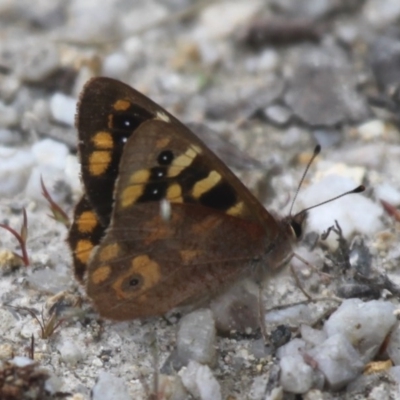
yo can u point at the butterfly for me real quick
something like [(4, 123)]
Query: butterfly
[(163, 222)]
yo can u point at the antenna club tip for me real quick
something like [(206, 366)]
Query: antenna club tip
[(359, 189), (317, 149)]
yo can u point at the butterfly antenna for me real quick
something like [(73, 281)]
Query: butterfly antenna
[(317, 150), (358, 189)]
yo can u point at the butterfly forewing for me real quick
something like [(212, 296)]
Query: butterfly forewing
[(191, 249)]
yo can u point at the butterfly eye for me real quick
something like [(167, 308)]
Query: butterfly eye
[(165, 157), (297, 228)]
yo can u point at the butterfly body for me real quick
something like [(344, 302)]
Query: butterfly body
[(137, 261)]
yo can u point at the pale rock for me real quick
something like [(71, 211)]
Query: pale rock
[(9, 85), (296, 375), (49, 152), (295, 347), (50, 175), (116, 65), (235, 14), (290, 315), (7, 321), (6, 350), (381, 13), (364, 324), (393, 347), (237, 309), (363, 219), (37, 61), (337, 359), (258, 387), (372, 130), (196, 338), (63, 108), (73, 174), (88, 22), (141, 16), (15, 168), (109, 387), (387, 192), (70, 352), (278, 114), (394, 372), (8, 116), (21, 361), (200, 382), (171, 387), (312, 336)]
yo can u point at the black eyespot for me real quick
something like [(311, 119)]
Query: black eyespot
[(153, 192), (133, 282), (126, 121), (130, 119), (165, 157), (157, 173)]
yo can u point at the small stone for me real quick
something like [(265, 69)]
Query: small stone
[(49, 152), (388, 192), (324, 93), (294, 347), (116, 65), (49, 280), (393, 348), (6, 350), (364, 219), (10, 137), (8, 116), (88, 22), (296, 375), (337, 359), (372, 130), (196, 339), (63, 108), (278, 114), (37, 60), (15, 168), (172, 388), (70, 352), (312, 336), (306, 8), (109, 387), (364, 324), (9, 86), (72, 173), (200, 382), (235, 14), (236, 310), (291, 315), (21, 361), (394, 372), (53, 384), (381, 13)]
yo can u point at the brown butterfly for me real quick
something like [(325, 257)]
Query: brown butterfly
[(137, 260)]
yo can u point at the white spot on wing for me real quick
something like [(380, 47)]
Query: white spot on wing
[(162, 117)]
